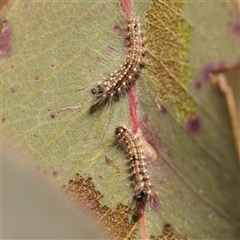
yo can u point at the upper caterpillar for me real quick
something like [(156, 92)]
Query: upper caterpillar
[(120, 81)]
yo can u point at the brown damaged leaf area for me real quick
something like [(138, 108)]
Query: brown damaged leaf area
[(168, 42), (116, 223), (168, 234)]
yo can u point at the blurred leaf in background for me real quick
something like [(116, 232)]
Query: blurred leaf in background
[(32, 208)]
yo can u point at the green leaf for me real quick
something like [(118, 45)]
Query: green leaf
[(54, 52)]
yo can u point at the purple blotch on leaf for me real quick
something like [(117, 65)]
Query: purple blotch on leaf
[(207, 71), (198, 85), (212, 68), (234, 25), (110, 49), (53, 115), (160, 106), (13, 90), (55, 173), (163, 109), (5, 40), (193, 124), (236, 29), (117, 28), (98, 59)]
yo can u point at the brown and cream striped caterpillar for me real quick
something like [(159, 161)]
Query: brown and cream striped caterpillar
[(119, 82), (143, 190)]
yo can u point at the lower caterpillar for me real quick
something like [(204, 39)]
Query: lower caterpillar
[(143, 190)]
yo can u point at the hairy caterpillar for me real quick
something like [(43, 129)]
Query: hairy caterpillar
[(143, 190), (119, 82)]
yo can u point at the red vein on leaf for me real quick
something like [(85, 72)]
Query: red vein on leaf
[(134, 117), (142, 223), (128, 10), (133, 110), (6, 3), (133, 98)]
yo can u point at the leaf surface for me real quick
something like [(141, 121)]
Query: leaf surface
[(53, 53)]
